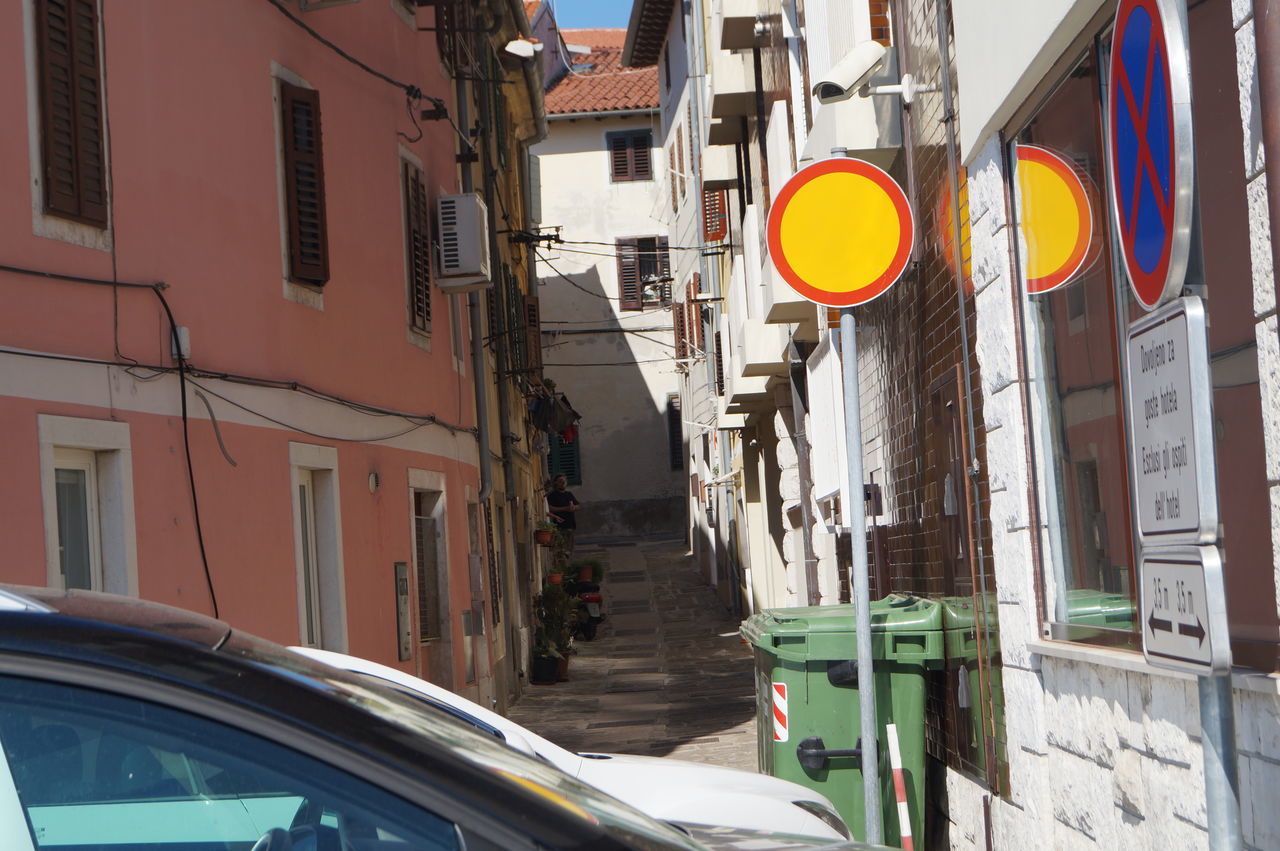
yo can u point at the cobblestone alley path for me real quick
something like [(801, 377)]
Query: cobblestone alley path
[(667, 674)]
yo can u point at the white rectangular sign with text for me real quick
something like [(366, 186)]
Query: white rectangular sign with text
[(1170, 429)]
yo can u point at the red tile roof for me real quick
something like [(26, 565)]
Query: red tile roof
[(598, 82)]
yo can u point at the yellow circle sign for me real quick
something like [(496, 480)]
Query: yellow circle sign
[(840, 232), (1056, 219)]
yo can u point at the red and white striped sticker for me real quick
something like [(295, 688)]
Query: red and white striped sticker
[(779, 712), (900, 787)]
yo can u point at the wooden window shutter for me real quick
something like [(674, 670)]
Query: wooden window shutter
[(719, 366), (418, 247), (491, 308), (619, 158), (680, 158), (693, 324), (629, 291), (304, 185), (641, 160), (533, 336), (715, 217), (680, 331), (675, 433), (75, 173), (671, 171), (664, 267)]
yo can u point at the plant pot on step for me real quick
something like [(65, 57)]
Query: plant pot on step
[(544, 670), (555, 578), (544, 537), (562, 669)]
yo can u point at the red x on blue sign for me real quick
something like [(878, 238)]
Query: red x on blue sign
[(1151, 158)]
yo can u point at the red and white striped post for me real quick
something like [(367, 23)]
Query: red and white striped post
[(900, 787)]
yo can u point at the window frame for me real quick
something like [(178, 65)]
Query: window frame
[(110, 445), (317, 466), (87, 144), (624, 155), (306, 267), (418, 246)]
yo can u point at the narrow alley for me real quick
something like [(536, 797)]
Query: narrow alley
[(667, 674)]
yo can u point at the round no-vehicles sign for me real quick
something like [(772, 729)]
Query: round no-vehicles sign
[(841, 232)]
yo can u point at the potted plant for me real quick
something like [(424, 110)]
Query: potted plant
[(589, 569), (545, 534), (545, 667), (556, 612)]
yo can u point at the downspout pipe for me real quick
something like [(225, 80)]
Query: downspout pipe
[(473, 313), (1266, 31)]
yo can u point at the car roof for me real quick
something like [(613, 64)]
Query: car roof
[(160, 652)]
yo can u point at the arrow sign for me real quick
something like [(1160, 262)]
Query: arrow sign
[(1184, 613), (1196, 631)]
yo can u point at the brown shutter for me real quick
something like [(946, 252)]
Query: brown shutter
[(629, 293), (715, 219), (680, 158), (693, 324), (671, 171), (719, 367), (619, 158), (680, 331), (491, 307), (75, 182), (418, 246), (641, 161), (304, 185), (664, 267), (533, 335)]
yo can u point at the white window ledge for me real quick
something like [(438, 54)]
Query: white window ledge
[(1128, 660)]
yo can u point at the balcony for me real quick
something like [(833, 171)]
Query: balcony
[(719, 168), (733, 90), (737, 24), (783, 304), (764, 348), (724, 132)]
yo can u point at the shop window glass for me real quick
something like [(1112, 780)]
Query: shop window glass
[(1073, 337)]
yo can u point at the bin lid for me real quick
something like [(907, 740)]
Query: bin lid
[(1090, 601), (819, 628), (963, 612)]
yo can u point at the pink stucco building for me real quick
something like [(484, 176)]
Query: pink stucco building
[(219, 176)]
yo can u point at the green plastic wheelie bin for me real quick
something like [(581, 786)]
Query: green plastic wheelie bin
[(961, 622), (1089, 607), (807, 700)]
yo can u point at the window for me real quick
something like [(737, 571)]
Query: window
[(99, 770), (86, 472), (629, 155), (304, 185), (680, 172), (417, 241), (72, 149), (322, 616), (715, 219), (79, 541), (1075, 352), (675, 432), (566, 459), (428, 564), (644, 272)]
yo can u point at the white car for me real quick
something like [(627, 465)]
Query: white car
[(667, 789)]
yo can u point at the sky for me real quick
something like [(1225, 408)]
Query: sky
[(577, 14)]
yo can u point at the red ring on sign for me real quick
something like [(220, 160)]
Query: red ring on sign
[(906, 238), (1071, 177), (1148, 287)]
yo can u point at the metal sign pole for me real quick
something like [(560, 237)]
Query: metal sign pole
[(1221, 780), (855, 513)]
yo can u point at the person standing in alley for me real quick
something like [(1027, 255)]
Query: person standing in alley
[(562, 504)]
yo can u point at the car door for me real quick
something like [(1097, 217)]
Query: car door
[(88, 770)]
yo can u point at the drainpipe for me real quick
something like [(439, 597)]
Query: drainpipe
[(973, 471), (473, 312), (1266, 30)]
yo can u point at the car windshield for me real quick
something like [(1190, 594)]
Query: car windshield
[(467, 743)]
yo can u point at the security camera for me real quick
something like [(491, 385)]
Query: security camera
[(850, 73)]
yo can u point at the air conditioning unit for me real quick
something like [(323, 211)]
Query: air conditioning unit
[(463, 228)]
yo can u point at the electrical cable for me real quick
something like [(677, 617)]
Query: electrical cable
[(411, 91), (617, 363)]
